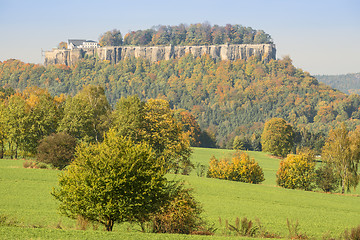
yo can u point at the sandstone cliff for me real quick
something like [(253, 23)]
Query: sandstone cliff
[(158, 53)]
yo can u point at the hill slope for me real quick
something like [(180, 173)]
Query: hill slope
[(227, 98), (347, 83)]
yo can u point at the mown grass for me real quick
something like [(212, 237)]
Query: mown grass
[(25, 196)]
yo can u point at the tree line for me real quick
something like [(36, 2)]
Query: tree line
[(229, 100), (187, 35), (33, 116), (347, 83), (340, 158)]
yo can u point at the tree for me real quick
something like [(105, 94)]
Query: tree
[(16, 123), (111, 38), (87, 114), (117, 180), (277, 137), (296, 172), (3, 128), (342, 152), (153, 122), (190, 127), (62, 45), (42, 117), (57, 149), (326, 178), (128, 117)]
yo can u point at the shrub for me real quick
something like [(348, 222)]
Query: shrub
[(326, 179), (57, 149), (242, 168), (354, 234), (200, 169), (33, 164), (5, 220), (244, 227), (182, 214), (294, 232), (29, 164), (296, 172)]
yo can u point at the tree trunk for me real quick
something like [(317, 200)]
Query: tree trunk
[(10, 150), (109, 225), (343, 180), (2, 151), (16, 151)]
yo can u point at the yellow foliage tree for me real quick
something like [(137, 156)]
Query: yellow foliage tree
[(342, 152)]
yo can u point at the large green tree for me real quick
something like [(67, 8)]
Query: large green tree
[(117, 180), (87, 114), (342, 152), (277, 137)]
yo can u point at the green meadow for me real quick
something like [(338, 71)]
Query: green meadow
[(26, 201)]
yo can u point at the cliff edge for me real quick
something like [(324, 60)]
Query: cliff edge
[(157, 53)]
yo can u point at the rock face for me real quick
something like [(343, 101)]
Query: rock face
[(157, 53)]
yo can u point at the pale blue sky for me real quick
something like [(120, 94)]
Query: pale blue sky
[(321, 36)]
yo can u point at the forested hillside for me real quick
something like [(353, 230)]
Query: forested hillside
[(347, 83), (228, 99)]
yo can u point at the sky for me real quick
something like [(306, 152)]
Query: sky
[(320, 36)]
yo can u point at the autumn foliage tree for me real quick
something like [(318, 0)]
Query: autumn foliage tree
[(154, 122), (190, 127), (277, 137), (342, 152), (28, 117)]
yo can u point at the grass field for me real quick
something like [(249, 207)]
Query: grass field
[(25, 196)]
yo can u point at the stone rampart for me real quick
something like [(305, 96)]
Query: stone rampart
[(157, 53)]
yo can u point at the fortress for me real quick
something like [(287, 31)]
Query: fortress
[(158, 53)]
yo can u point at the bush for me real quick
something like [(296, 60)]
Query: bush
[(242, 168), (294, 232), (326, 179), (182, 214), (354, 234), (33, 164), (57, 149), (296, 172), (29, 164), (247, 227)]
